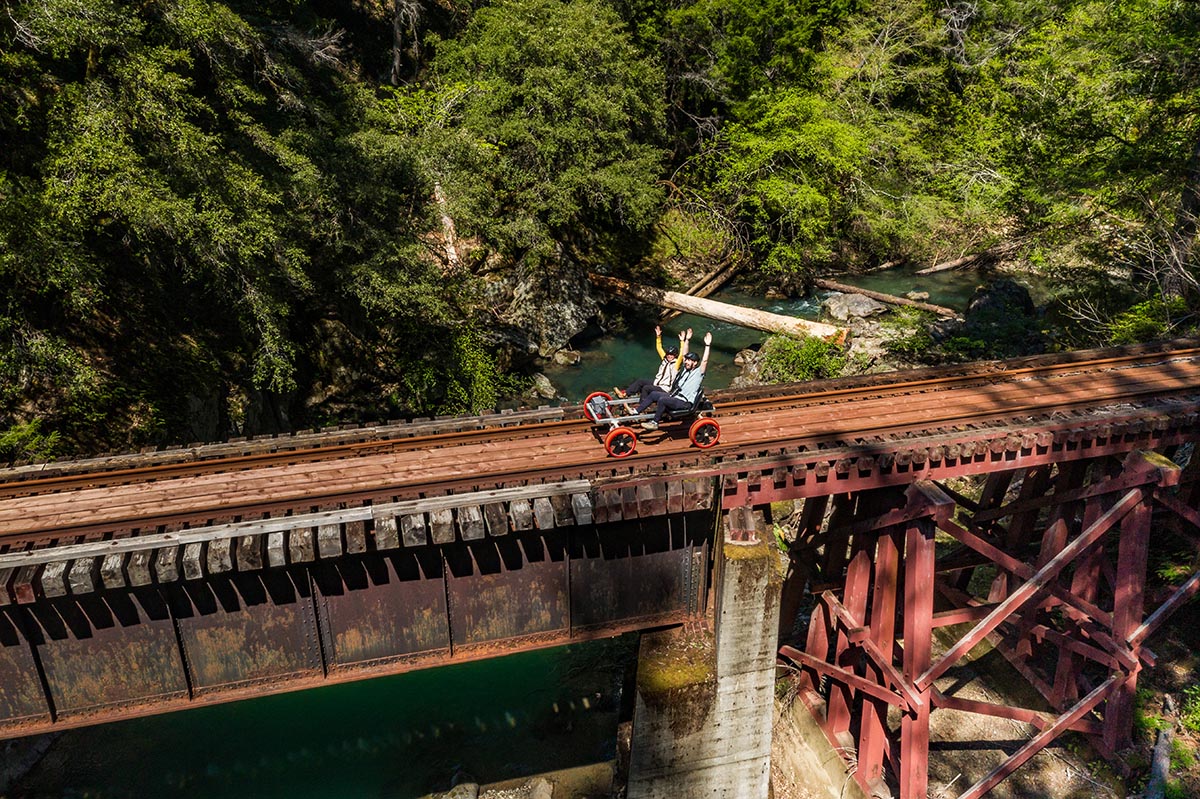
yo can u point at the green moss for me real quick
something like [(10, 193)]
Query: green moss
[(747, 551), (675, 660)]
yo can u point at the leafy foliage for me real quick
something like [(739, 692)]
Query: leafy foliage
[(787, 359), (561, 114)]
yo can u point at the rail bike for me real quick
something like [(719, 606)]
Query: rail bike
[(614, 419)]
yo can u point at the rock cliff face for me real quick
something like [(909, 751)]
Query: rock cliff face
[(542, 310)]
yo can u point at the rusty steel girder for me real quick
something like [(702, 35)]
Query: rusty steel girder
[(116, 653)]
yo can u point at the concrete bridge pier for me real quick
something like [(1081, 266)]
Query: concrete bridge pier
[(703, 711)]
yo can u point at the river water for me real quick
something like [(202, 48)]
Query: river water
[(620, 358), (388, 738), (403, 736)]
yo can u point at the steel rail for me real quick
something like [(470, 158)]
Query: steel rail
[(593, 466), (29, 486)]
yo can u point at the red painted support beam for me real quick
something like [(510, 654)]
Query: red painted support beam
[(919, 568), (1026, 592), (873, 732), (1039, 741)]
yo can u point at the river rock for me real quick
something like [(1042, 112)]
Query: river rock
[(1001, 319), (565, 357), (542, 387), (843, 307), (916, 296), (541, 788)]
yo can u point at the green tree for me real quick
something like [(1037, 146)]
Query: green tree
[(563, 113)]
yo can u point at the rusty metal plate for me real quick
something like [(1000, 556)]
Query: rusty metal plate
[(628, 571), (247, 628), (380, 607), (507, 587), (22, 698), (114, 648)]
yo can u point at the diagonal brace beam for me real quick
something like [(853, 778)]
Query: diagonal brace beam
[(850, 678), (893, 675), (1039, 741), (1033, 586)]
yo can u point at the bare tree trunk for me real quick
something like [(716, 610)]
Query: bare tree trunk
[(1160, 762), (709, 283), (989, 254), (940, 310), (404, 24), (450, 239)]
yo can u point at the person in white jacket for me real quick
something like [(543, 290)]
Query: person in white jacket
[(683, 392), (664, 378)]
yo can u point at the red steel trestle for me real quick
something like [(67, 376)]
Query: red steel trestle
[(1048, 567)]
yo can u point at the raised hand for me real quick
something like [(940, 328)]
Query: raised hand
[(689, 334), (708, 338), (658, 330)]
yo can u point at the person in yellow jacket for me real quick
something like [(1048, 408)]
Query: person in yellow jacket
[(668, 368)]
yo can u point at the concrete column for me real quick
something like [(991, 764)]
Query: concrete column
[(703, 712)]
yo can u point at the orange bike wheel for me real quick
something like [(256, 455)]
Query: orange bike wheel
[(705, 433), (620, 442)]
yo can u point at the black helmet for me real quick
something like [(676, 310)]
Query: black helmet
[(671, 350), (691, 356)]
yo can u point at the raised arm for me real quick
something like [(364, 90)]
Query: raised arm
[(704, 358), (685, 338), (658, 342)]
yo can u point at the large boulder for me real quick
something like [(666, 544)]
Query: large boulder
[(844, 307), (1001, 321), (544, 307)]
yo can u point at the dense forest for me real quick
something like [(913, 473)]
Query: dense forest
[(222, 218)]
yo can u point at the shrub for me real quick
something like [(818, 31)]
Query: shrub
[(1153, 319), (786, 359), (908, 334)]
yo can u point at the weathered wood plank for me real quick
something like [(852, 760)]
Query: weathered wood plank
[(470, 523), (521, 514), (329, 540), (674, 497), (220, 556), (581, 509), (629, 505), (112, 570), (193, 559), (166, 565), (543, 513), (23, 584), (300, 545), (563, 517), (82, 576), (282, 524), (387, 532), (6, 577), (645, 500), (441, 526), (414, 530), (138, 568), (496, 516), (54, 579), (249, 553), (276, 555), (356, 537)]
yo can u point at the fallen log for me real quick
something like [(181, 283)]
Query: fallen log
[(708, 283), (734, 314), (986, 255), (1160, 762), (940, 310)]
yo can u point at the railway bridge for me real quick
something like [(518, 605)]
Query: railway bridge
[(162, 580)]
